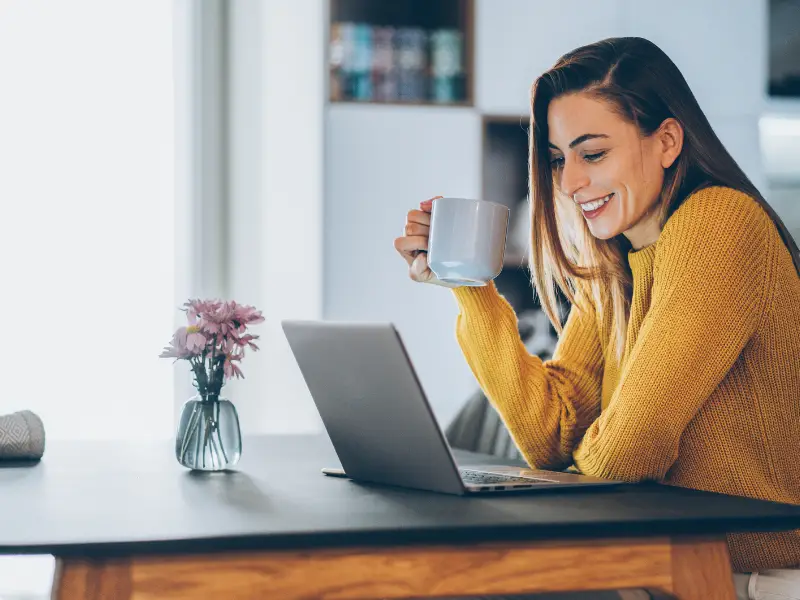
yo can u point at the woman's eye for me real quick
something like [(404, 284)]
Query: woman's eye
[(595, 156), (557, 162)]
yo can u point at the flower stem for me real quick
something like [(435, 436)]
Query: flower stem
[(187, 434), (215, 451), (196, 448), (219, 436)]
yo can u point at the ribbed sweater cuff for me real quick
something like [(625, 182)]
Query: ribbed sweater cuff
[(480, 299)]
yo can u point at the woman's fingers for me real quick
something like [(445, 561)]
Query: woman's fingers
[(427, 205), (418, 216), (410, 245), (412, 228), (413, 244)]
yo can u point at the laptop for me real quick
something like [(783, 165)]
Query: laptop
[(380, 422)]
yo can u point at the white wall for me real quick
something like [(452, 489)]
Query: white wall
[(381, 162)]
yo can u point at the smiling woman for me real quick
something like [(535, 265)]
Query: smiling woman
[(678, 361)]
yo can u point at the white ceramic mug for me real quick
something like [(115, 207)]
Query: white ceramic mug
[(467, 240)]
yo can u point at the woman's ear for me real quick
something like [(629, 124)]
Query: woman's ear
[(670, 136)]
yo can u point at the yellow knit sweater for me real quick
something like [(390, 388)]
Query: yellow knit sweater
[(707, 393)]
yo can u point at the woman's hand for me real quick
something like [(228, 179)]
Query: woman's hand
[(413, 244)]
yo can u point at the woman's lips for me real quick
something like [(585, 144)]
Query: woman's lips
[(591, 214)]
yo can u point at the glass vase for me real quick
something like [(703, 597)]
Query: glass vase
[(208, 438)]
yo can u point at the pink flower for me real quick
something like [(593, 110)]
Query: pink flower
[(178, 346), (231, 369), (195, 308), (216, 336), (217, 319), (248, 340), (230, 345), (246, 315), (195, 341)]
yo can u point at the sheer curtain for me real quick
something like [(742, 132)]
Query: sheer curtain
[(87, 247)]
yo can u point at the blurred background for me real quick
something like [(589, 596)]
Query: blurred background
[(268, 151)]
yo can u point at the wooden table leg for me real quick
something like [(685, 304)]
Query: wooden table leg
[(701, 569), (685, 568), (92, 579)]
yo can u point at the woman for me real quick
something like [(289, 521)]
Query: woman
[(680, 359)]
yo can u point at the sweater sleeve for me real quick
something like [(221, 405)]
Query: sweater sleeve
[(547, 406), (711, 268)]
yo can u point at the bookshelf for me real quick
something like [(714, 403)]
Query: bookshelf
[(403, 52)]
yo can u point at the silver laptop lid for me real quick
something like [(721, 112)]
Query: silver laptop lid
[(372, 405)]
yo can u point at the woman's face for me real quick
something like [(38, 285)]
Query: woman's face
[(603, 164)]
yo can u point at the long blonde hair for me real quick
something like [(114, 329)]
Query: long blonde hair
[(645, 87)]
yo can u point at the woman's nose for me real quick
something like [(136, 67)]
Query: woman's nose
[(573, 177)]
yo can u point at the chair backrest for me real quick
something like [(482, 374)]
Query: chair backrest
[(478, 428)]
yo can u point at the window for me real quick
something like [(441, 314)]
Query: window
[(86, 225), (86, 210)]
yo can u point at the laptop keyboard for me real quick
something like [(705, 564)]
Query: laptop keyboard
[(481, 477)]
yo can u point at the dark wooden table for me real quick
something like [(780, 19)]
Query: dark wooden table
[(125, 521)]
